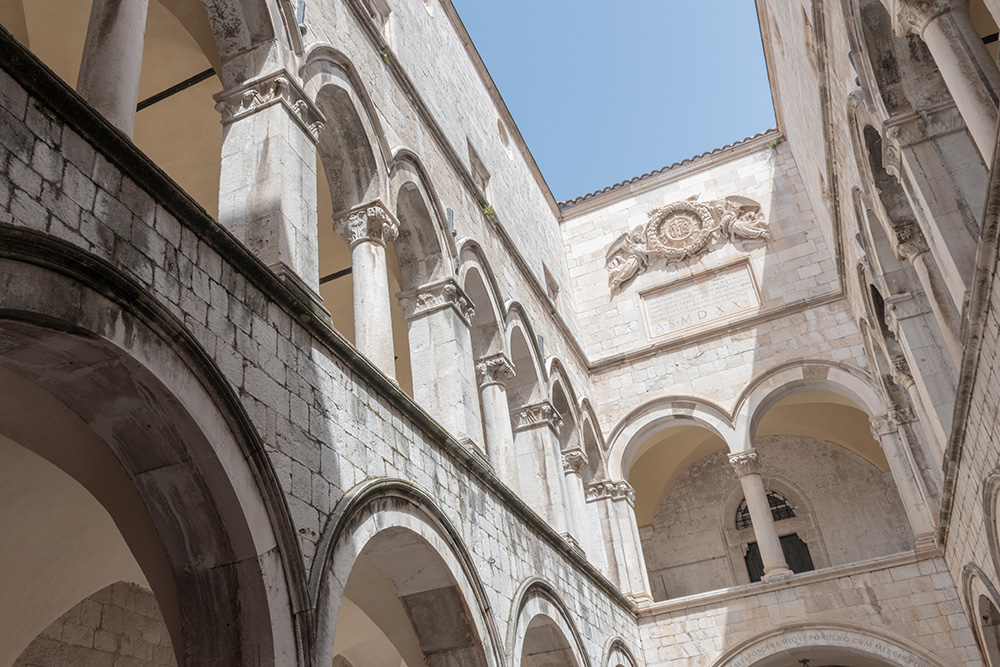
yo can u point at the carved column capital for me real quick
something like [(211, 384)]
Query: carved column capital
[(494, 369), (538, 414), (910, 242), (369, 222), (910, 17), (882, 426), (611, 491), (262, 92), (574, 461), (436, 296), (745, 463), (901, 374)]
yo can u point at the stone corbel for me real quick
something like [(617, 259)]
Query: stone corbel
[(538, 414), (432, 297), (266, 91), (494, 369), (910, 17), (371, 222), (574, 461), (745, 462)]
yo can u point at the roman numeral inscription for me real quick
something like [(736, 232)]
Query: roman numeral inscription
[(700, 301)]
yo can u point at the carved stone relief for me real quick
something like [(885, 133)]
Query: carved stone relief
[(538, 414), (276, 88), (680, 230)]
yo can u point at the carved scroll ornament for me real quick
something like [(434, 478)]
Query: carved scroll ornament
[(680, 230)]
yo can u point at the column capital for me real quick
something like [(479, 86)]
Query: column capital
[(574, 461), (436, 296), (910, 242), (265, 91), (537, 414), (494, 369), (369, 222), (745, 463), (910, 17), (882, 426), (611, 491), (900, 372)]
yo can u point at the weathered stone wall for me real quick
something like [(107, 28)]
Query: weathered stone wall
[(912, 601), (847, 511), (118, 625), (328, 421)]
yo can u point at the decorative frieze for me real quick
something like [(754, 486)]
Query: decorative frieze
[(574, 461), (436, 296), (370, 223), (263, 92), (612, 491), (494, 369), (680, 230), (538, 414), (745, 463)]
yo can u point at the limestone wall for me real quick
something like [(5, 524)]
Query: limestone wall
[(847, 511)]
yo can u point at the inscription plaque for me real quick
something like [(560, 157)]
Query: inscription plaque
[(700, 301)]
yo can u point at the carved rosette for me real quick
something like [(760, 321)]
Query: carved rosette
[(611, 491), (745, 463), (574, 461), (681, 230), (910, 242), (370, 223), (538, 414), (494, 369), (432, 297), (263, 92), (912, 16)]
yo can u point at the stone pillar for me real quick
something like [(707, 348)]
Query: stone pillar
[(937, 419), (912, 247), (945, 182), (615, 502), (539, 464), (911, 490), (112, 60), (747, 466), (267, 189), (493, 372), (574, 462), (367, 229), (438, 317), (968, 70)]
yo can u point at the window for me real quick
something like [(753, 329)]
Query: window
[(796, 552), (479, 173), (780, 509)]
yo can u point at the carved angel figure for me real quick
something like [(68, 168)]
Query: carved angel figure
[(741, 218), (626, 258)]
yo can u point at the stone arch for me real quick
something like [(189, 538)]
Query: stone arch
[(982, 604), (239, 28), (540, 623), (398, 527), (991, 515), (618, 654), (783, 380), (565, 402), (530, 379), (424, 249), (120, 370), (827, 641), (593, 444), (476, 278), (629, 434), (351, 145)]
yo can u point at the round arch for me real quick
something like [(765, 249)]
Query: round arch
[(422, 555), (164, 430), (540, 624), (982, 606), (618, 654), (476, 277), (816, 642), (424, 248)]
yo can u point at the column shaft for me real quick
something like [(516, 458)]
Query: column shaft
[(911, 491), (492, 372), (747, 466)]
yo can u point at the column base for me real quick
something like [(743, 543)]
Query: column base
[(926, 543), (776, 573), (641, 598)]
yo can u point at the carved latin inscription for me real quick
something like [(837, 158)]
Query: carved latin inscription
[(702, 301)]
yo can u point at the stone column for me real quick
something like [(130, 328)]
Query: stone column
[(747, 466), (367, 229), (911, 491), (912, 247), (493, 371), (937, 419), (438, 317), (267, 189), (574, 462), (970, 74), (112, 60), (627, 565), (539, 464)]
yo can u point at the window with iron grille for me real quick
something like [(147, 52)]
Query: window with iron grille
[(780, 509)]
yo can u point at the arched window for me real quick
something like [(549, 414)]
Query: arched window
[(780, 509)]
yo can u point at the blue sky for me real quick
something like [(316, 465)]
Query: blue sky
[(603, 91)]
